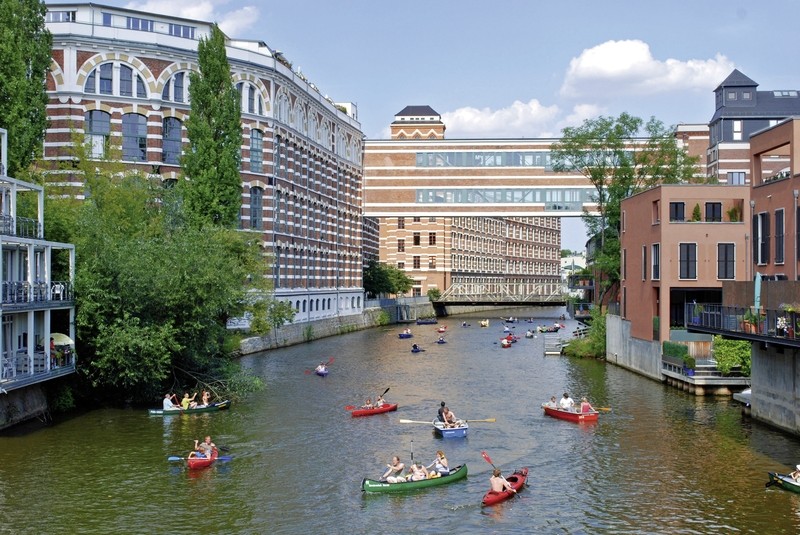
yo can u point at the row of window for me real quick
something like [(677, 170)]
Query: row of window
[(485, 159), (554, 198), (687, 261), (762, 237), (677, 212)]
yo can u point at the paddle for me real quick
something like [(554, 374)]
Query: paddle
[(173, 458), (489, 460), (413, 422), (604, 409), (490, 420)]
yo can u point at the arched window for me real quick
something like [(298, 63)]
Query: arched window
[(300, 121), (130, 83), (256, 207), (283, 108), (175, 89), (251, 99), (100, 80), (134, 137), (171, 140), (97, 128), (312, 129), (256, 151)]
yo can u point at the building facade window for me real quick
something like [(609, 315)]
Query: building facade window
[(736, 178), (655, 258), (130, 84), (59, 16), (256, 208), (142, 25), (431, 238), (256, 151), (644, 262), (676, 211), (401, 245), (134, 137), (401, 222), (714, 211), (180, 30), (171, 140), (779, 236), (97, 129), (416, 238), (416, 262), (687, 263), (175, 88), (431, 262), (761, 237), (726, 261)]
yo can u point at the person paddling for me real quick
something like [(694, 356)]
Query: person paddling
[(499, 483)]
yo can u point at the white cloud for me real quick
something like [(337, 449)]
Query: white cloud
[(617, 68), (520, 119), (233, 23)]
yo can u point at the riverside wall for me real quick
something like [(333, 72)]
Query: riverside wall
[(399, 312), (23, 404)]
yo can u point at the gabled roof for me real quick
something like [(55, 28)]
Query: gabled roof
[(416, 111), (769, 106), (736, 79)]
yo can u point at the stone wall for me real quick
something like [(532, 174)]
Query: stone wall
[(22, 404)]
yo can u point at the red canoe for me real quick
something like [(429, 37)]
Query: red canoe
[(570, 416), (517, 480), (388, 407), (195, 463)]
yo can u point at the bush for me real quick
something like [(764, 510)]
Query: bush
[(384, 318), (434, 294), (674, 349), (731, 353)]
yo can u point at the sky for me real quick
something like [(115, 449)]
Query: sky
[(517, 68)]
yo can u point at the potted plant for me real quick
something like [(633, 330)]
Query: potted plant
[(696, 214), (688, 365), (750, 322), (733, 214)]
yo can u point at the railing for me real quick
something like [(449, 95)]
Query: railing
[(23, 227), (522, 292), (23, 292), (19, 369), (779, 326)]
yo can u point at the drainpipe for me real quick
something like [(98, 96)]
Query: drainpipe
[(796, 194)]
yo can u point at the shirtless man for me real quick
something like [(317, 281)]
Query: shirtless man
[(499, 483)]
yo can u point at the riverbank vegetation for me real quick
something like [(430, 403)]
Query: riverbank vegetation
[(594, 343)]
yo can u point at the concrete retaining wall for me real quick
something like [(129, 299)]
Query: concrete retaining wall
[(22, 404), (775, 381), (640, 356)]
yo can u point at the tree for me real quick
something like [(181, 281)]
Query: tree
[(212, 194), (25, 52), (154, 298), (618, 163), (382, 279)]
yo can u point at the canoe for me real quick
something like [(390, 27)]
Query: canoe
[(417, 350), (196, 463), (405, 335), (221, 405), (441, 341), (517, 480), (322, 373), (450, 432), (442, 329), (784, 481), (387, 407), (373, 485), (577, 417)]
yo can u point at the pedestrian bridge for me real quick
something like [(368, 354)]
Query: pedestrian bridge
[(504, 294)]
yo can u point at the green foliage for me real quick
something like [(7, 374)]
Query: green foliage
[(593, 345), (154, 297), (609, 153), (61, 398), (731, 353), (308, 333), (434, 294), (212, 193), (383, 279), (384, 318), (675, 349), (689, 362), (25, 56), (734, 214), (697, 215)]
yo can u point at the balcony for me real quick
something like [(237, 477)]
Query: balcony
[(24, 295), (769, 326), (580, 282), (18, 370)]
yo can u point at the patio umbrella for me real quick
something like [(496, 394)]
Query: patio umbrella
[(757, 292), (61, 339)]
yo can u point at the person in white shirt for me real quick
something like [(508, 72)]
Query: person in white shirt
[(566, 403)]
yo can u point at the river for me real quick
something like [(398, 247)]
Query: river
[(661, 461)]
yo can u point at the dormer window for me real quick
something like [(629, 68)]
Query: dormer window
[(731, 95)]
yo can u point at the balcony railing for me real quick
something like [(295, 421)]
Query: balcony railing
[(18, 369), (24, 227), (23, 292), (779, 327)]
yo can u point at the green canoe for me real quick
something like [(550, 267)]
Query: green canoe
[(219, 406), (372, 485), (783, 481)]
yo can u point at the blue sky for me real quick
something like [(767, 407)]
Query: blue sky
[(519, 68)]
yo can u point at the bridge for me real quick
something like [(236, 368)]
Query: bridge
[(504, 294)]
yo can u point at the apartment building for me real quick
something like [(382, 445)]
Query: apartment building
[(121, 78)]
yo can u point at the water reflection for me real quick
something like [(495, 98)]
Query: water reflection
[(660, 462)]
